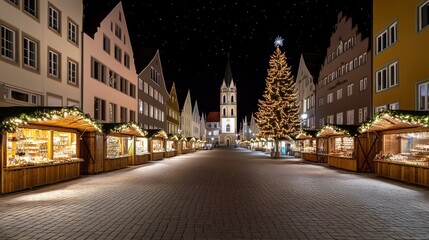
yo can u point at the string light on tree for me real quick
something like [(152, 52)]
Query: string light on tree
[(278, 110)]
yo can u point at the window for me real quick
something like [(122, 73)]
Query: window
[(98, 70), (118, 31), (145, 109), (312, 100), (423, 15), (394, 106), (112, 112), (393, 74), (140, 84), (155, 113), (123, 85), (54, 64), (132, 90), (365, 113), (228, 128), (99, 109), (381, 79), (386, 79), (118, 53), (8, 43), (146, 88), (113, 79), (330, 119), (350, 89), (106, 44), (350, 117), (126, 60), (150, 91), (151, 111), (339, 94), (423, 96), (360, 115), (381, 41), (21, 96), (31, 7), (155, 94), (72, 32), (232, 99), (30, 53), (321, 122), (380, 108), (140, 106), (363, 84), (393, 33), (132, 116), (340, 118), (224, 111), (330, 98), (72, 72), (232, 112), (54, 19), (124, 114), (15, 2), (321, 103), (387, 37)]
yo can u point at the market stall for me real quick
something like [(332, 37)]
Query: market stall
[(191, 144), (120, 145), (41, 145), (404, 139), (171, 146), (157, 139), (340, 142), (182, 145), (306, 145)]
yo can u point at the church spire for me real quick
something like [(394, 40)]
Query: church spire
[(228, 73)]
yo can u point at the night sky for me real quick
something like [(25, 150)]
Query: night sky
[(195, 38)]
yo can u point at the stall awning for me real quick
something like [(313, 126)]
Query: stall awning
[(338, 130), (396, 119), (306, 134), (173, 137), (63, 117), (190, 139), (132, 129), (156, 133)]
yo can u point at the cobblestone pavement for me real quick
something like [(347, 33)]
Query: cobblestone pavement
[(219, 194)]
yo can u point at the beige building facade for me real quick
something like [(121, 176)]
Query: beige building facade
[(40, 58)]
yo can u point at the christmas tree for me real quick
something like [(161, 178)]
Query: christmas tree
[(278, 110)]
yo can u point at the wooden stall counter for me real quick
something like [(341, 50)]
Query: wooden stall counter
[(111, 164), (157, 155), (309, 156), (414, 174), (346, 163)]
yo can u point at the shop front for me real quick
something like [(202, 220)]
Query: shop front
[(41, 145), (404, 154), (306, 145), (171, 146), (157, 139), (341, 143)]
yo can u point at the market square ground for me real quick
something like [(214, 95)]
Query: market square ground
[(224, 193)]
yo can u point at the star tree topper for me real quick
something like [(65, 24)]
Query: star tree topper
[(278, 42)]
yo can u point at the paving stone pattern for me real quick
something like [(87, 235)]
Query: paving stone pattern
[(224, 193)]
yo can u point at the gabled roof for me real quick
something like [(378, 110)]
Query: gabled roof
[(132, 129), (142, 58), (213, 117), (396, 119), (93, 15), (331, 130), (181, 97)]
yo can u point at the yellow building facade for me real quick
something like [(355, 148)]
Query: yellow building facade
[(400, 55)]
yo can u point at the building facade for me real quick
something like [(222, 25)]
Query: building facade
[(110, 79), (343, 91), (186, 116), (152, 94), (41, 53), (228, 109), (173, 111), (400, 43), (306, 90), (213, 128), (196, 121)]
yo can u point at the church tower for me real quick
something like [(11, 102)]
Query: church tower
[(228, 109)]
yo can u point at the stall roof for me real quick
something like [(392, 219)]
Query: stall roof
[(396, 119), (173, 137), (190, 139), (64, 117), (306, 134), (338, 130), (156, 133), (130, 128)]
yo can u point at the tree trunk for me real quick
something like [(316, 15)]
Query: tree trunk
[(277, 153)]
